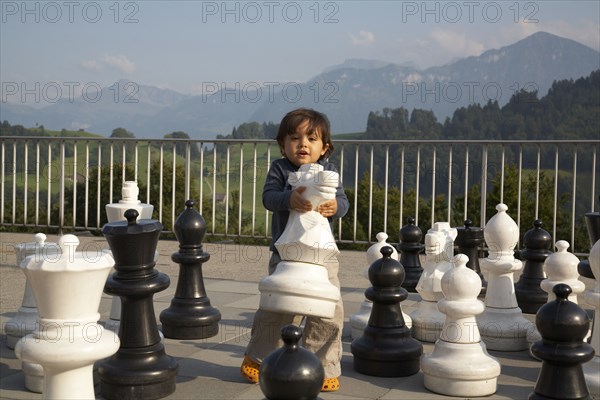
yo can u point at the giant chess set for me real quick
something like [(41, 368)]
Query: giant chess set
[(469, 310)]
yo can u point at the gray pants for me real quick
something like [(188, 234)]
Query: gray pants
[(322, 336)]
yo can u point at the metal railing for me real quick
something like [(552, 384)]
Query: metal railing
[(64, 183)]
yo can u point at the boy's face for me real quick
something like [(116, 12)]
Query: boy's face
[(302, 147)]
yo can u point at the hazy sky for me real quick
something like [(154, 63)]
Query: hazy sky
[(185, 45)]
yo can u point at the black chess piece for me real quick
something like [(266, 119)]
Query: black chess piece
[(592, 220), (291, 372), (386, 347), (469, 240), (410, 247), (537, 242), (141, 369), (190, 315), (562, 325)]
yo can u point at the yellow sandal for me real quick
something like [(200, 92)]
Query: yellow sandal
[(250, 369), (330, 385)]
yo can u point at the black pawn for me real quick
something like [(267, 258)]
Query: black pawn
[(140, 369), (410, 247), (291, 372), (469, 240), (530, 295), (562, 325), (592, 220), (190, 315), (386, 347)]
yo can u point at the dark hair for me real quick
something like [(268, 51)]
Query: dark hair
[(316, 122)]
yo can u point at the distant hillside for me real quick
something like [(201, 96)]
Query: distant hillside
[(570, 110), (348, 94), (6, 129)]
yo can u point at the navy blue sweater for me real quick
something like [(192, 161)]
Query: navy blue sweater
[(277, 193)]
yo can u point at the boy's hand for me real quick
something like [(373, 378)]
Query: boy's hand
[(328, 208), (299, 203)]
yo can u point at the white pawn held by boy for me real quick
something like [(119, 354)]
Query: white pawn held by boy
[(459, 364), (300, 284), (427, 320), (502, 325)]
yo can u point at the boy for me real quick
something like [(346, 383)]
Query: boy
[(304, 138)]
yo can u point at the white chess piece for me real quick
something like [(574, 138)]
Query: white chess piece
[(502, 325), (561, 267), (300, 283), (68, 339), (427, 320), (116, 212), (591, 369), (26, 319), (129, 200), (459, 364)]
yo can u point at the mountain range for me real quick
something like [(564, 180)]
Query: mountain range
[(346, 93)]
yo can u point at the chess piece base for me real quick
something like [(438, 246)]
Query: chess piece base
[(427, 322), (591, 371), (23, 324), (504, 329), (390, 352), (460, 369), (138, 373), (299, 288), (34, 376), (67, 362), (190, 319), (360, 320), (413, 274)]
